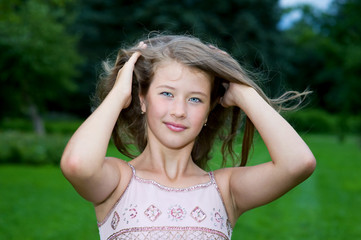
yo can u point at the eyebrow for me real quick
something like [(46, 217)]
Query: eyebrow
[(172, 88)]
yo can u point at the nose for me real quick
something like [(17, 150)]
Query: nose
[(179, 108)]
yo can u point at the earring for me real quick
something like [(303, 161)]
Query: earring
[(205, 124), (141, 112)]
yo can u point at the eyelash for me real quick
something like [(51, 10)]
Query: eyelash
[(197, 100), (166, 94), (192, 99)]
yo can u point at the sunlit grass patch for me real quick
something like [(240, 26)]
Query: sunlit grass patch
[(38, 202)]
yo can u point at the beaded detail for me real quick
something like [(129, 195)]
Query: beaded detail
[(172, 189), (152, 212), (115, 220), (198, 215), (176, 213)]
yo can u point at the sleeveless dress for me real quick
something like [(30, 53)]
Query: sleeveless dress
[(149, 210)]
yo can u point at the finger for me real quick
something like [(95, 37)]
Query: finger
[(129, 65), (222, 102), (225, 85), (142, 45), (133, 59)]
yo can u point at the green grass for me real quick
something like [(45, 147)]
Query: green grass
[(38, 203)]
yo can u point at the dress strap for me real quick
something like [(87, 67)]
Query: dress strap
[(211, 175), (213, 180), (133, 169)]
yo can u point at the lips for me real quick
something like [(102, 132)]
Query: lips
[(175, 127)]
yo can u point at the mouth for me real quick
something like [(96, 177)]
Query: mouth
[(175, 127)]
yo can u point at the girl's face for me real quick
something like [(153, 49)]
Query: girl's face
[(177, 104)]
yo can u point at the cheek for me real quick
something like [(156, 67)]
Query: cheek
[(199, 116), (156, 109)]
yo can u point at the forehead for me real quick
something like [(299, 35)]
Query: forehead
[(178, 74)]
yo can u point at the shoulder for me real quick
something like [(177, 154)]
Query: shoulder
[(120, 164), (229, 179), (223, 177), (126, 174)]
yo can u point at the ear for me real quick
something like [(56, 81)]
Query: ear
[(143, 106)]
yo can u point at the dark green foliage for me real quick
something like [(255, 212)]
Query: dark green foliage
[(246, 28), (57, 126), (320, 121), (324, 54), (29, 148), (40, 67), (38, 55)]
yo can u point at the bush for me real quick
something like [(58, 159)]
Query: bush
[(319, 121), (28, 148), (66, 126), (62, 127), (18, 124)]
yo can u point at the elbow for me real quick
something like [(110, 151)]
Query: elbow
[(69, 165), (309, 165), (306, 166), (72, 167)]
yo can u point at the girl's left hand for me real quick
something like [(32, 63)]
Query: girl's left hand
[(234, 94)]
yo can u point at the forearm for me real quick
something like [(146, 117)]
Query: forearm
[(86, 150), (286, 147)]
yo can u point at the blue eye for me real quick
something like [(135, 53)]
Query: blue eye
[(166, 94), (195, 100)]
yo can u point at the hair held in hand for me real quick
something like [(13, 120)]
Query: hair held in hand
[(223, 123)]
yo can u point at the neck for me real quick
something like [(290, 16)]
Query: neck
[(172, 163)]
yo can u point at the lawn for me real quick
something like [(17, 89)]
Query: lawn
[(38, 203)]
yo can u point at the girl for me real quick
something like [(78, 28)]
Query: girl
[(170, 97)]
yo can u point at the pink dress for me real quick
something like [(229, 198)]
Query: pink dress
[(149, 210)]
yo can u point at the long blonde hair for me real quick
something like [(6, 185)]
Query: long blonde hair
[(130, 128)]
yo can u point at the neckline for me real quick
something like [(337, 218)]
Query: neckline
[(173, 189)]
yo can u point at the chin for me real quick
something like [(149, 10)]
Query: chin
[(177, 145)]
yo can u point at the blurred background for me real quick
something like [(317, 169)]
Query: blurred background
[(50, 58)]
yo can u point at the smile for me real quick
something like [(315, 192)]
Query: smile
[(175, 127)]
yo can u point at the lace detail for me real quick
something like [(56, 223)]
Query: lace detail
[(165, 233)]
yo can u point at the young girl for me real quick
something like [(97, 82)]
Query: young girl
[(170, 97)]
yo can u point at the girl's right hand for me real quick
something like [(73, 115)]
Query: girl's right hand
[(123, 82), (83, 162)]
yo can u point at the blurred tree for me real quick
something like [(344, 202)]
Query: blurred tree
[(325, 54), (38, 56), (246, 28), (343, 25)]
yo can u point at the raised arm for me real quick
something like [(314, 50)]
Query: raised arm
[(292, 161), (83, 162)]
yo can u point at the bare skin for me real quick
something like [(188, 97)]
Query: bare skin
[(102, 180)]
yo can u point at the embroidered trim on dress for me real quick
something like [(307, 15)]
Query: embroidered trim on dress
[(168, 229), (198, 214), (152, 212)]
